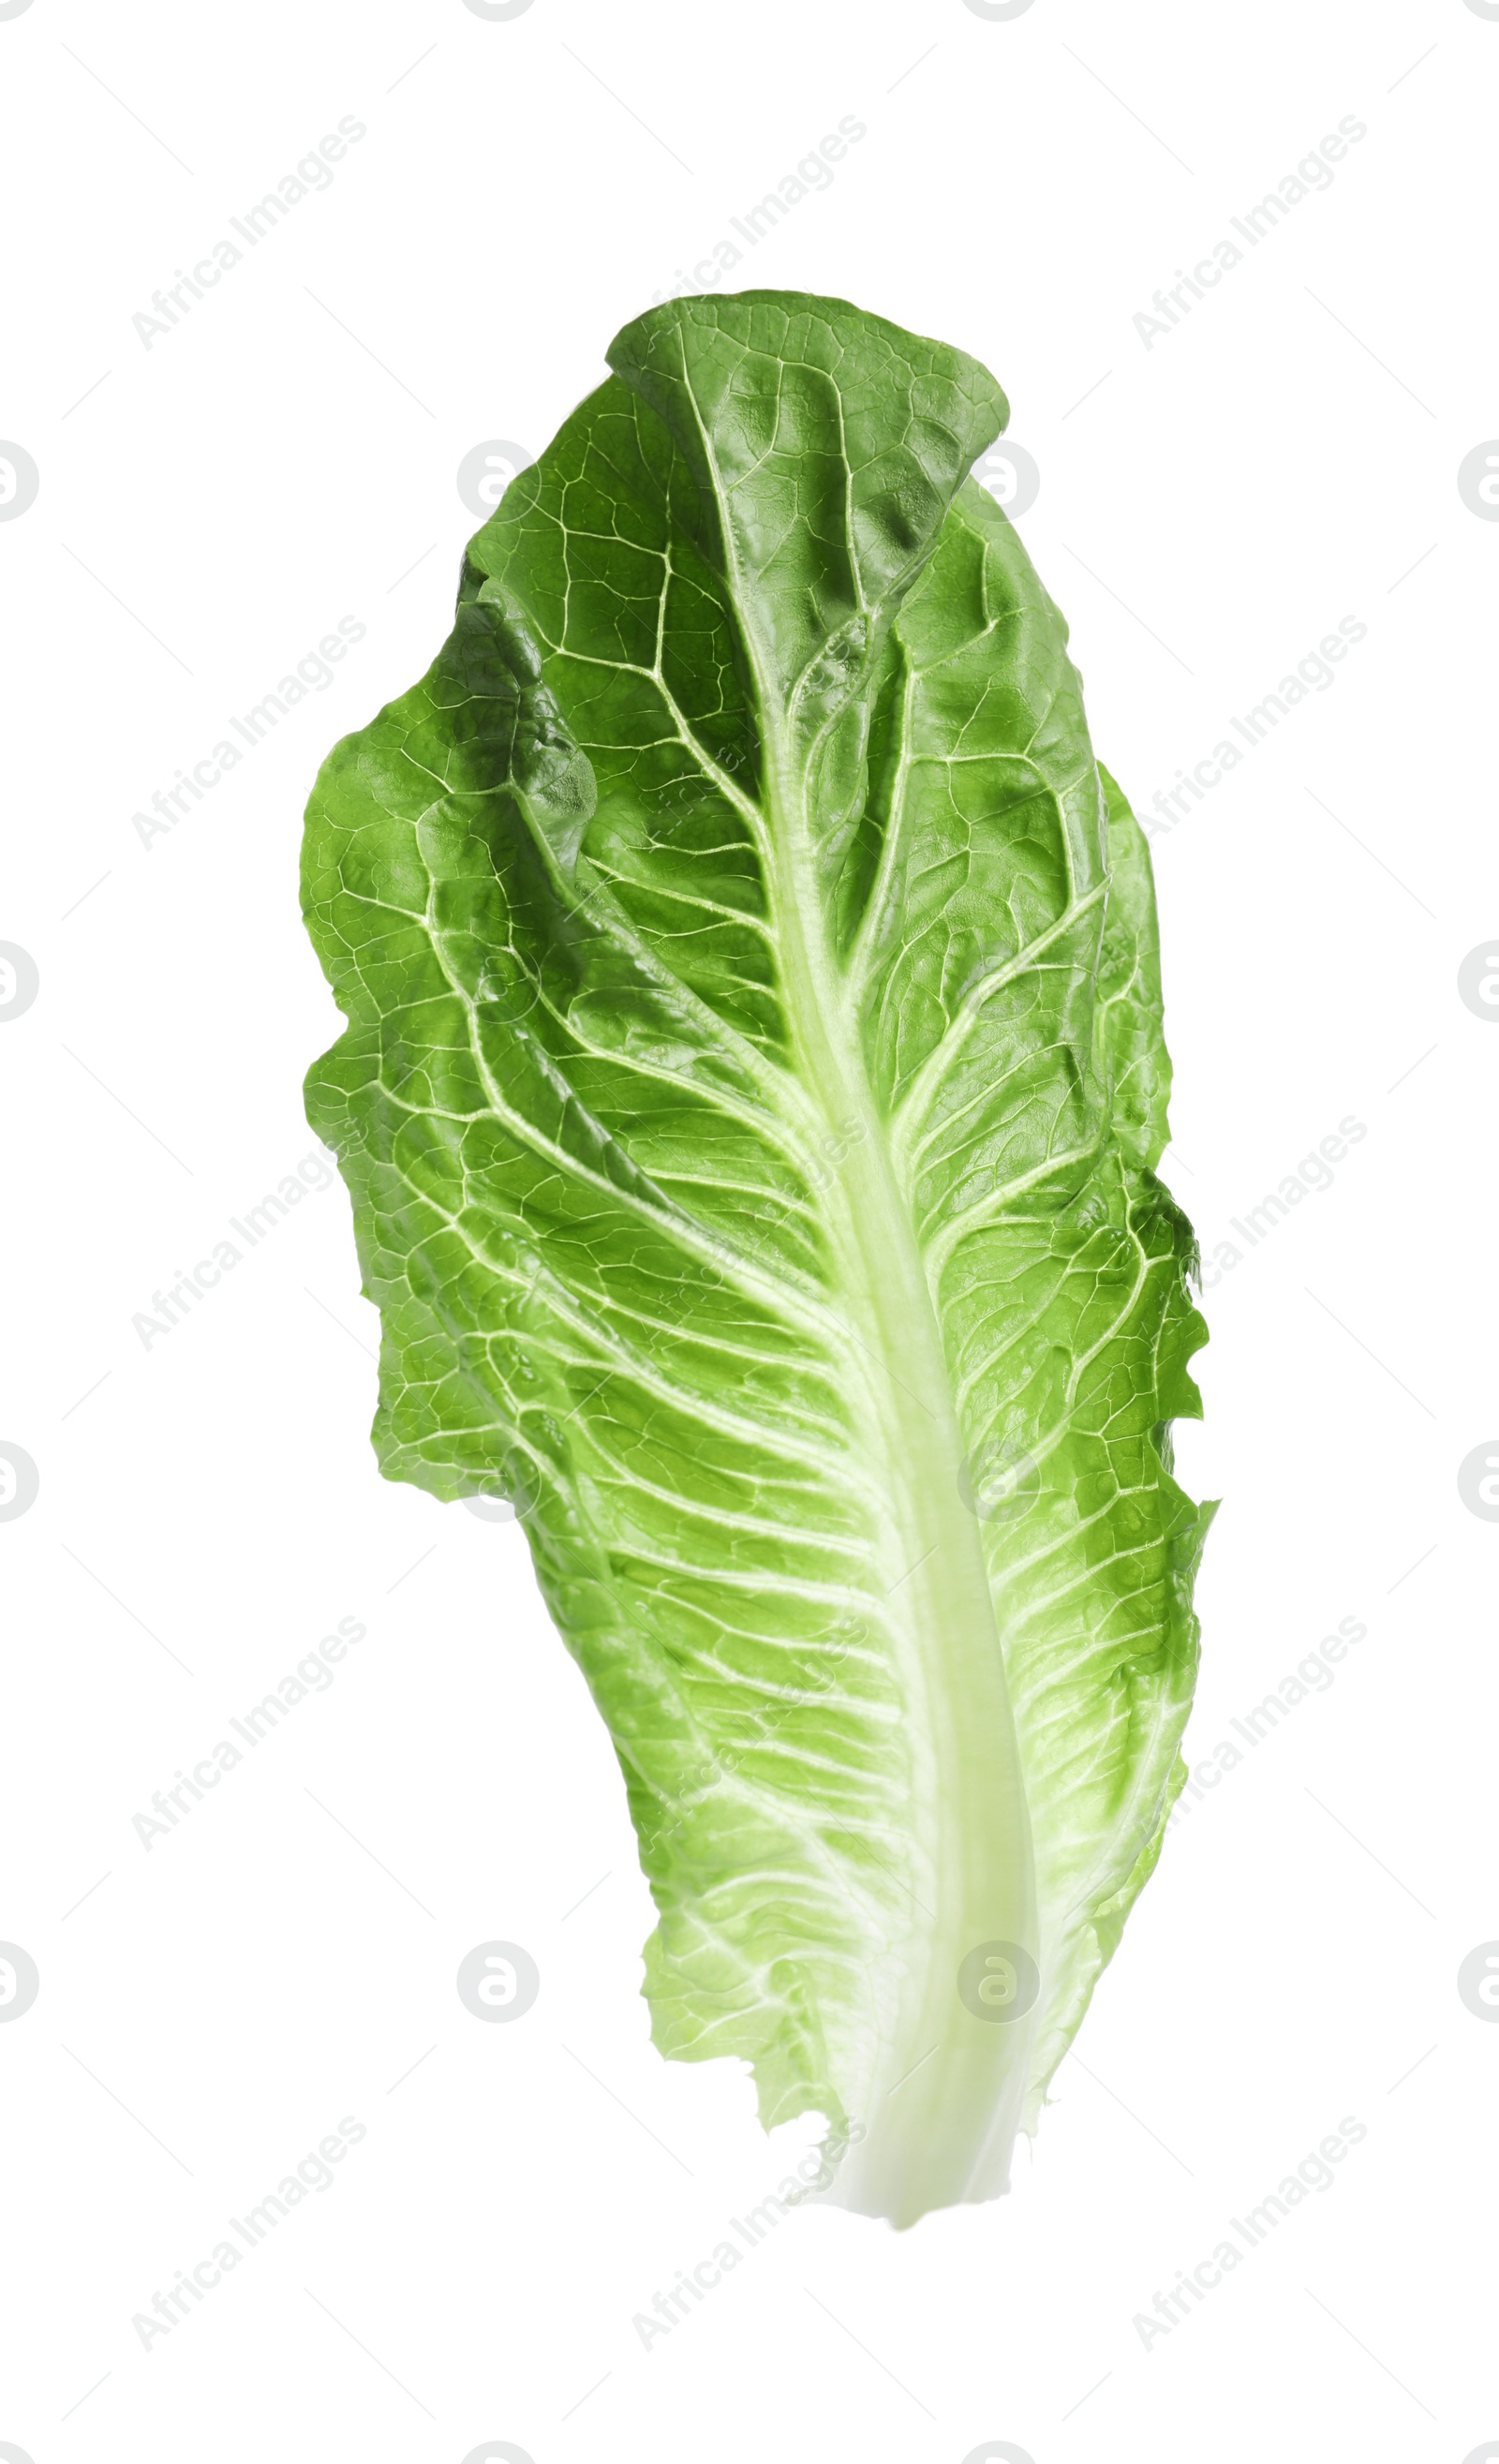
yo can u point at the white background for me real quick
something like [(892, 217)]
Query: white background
[(1210, 507)]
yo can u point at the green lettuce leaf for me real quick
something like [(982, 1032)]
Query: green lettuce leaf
[(750, 1096)]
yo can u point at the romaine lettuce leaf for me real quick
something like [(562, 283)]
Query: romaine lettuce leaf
[(750, 1097)]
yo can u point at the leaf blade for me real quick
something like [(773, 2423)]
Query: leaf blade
[(750, 1098)]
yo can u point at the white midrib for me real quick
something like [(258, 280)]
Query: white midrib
[(945, 2133), (946, 2092)]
